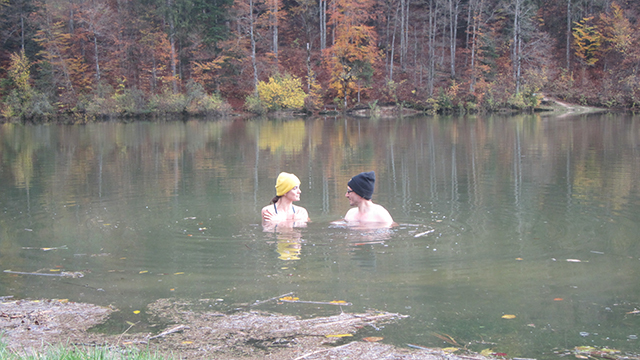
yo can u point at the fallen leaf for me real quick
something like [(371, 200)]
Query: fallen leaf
[(372, 338), (130, 323), (508, 316), (519, 259), (143, 272), (54, 270), (635, 311), (574, 260), (338, 302), (64, 301), (446, 338), (581, 356), (187, 342), (289, 298), (558, 299), (486, 352), (136, 312), (338, 335), (179, 273), (450, 349), (499, 354)]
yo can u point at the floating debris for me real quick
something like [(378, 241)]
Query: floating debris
[(63, 247), (74, 274), (424, 233)]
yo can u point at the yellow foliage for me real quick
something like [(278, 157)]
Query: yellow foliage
[(282, 92), (19, 70), (586, 40)]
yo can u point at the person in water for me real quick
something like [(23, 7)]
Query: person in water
[(364, 211), (281, 209)]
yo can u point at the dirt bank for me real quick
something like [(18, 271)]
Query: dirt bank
[(29, 325)]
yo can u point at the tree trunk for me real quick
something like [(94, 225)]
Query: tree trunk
[(515, 55), (453, 33), (172, 41), (433, 27), (275, 30), (393, 44), (402, 5), (568, 35), (253, 48), (95, 48), (322, 7)]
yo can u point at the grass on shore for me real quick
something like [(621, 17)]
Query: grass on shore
[(60, 352)]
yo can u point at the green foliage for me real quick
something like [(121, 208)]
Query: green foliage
[(24, 102), (445, 101), (526, 99), (433, 106), (253, 104), (282, 92), (517, 101), (313, 101), (199, 102), (129, 101)]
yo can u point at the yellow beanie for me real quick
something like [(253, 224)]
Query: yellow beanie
[(285, 183)]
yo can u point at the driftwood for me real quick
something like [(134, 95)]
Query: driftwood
[(170, 331), (69, 274), (271, 299)]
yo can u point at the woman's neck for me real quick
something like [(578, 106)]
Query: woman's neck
[(284, 204)]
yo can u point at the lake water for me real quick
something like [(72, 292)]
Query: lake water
[(533, 216)]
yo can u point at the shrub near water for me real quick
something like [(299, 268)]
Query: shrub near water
[(282, 92)]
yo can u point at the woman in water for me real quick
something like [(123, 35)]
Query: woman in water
[(281, 210)]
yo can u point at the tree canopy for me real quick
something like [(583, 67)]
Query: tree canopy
[(429, 54)]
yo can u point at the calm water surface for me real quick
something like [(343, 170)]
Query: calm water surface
[(532, 216)]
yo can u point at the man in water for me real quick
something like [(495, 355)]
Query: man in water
[(359, 192)]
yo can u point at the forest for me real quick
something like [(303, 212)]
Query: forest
[(90, 59)]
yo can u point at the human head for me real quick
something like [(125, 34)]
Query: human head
[(362, 184), (285, 182)]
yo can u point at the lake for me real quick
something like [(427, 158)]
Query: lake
[(518, 234)]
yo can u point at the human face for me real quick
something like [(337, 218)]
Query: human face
[(294, 194), (352, 196)]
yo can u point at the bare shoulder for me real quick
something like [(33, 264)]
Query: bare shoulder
[(382, 214), (267, 212), (351, 214), (301, 213)]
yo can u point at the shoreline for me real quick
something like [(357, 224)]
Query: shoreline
[(33, 326)]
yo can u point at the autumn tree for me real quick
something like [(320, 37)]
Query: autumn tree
[(23, 101), (190, 24), (352, 56), (621, 45)]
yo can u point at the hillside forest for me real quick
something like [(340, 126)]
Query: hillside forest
[(96, 58)]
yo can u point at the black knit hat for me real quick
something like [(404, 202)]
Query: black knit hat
[(363, 183)]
